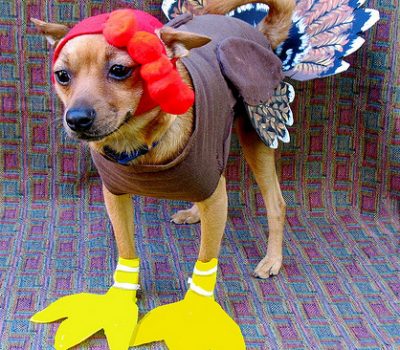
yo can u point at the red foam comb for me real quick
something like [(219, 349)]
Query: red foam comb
[(120, 27)]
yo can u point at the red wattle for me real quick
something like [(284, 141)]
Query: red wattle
[(179, 103), (171, 93), (156, 70)]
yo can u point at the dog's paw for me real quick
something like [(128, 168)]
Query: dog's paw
[(188, 216), (267, 267)]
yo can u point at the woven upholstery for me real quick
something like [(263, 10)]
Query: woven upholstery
[(339, 287)]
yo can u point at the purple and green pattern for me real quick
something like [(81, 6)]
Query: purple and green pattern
[(340, 284)]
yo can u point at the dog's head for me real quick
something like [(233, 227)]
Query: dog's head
[(101, 85)]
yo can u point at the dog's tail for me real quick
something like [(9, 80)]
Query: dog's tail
[(275, 26)]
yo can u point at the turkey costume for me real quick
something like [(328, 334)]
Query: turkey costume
[(237, 65), (237, 72)]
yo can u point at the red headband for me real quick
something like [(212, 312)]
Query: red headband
[(133, 31)]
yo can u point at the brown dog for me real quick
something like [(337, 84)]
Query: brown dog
[(112, 104)]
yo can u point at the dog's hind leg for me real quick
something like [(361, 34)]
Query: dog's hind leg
[(187, 216), (261, 160)]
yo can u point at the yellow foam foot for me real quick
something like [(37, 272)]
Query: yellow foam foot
[(84, 314), (115, 312), (197, 322)]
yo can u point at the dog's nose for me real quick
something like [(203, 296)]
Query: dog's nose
[(80, 119)]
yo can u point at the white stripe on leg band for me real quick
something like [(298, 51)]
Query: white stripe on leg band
[(125, 276), (124, 268), (205, 273), (199, 290), (126, 286)]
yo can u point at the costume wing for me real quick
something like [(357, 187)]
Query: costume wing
[(323, 33), (271, 118), (255, 72)]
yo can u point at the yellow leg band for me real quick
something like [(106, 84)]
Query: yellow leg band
[(126, 275), (204, 278)]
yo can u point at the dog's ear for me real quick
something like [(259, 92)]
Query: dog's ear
[(52, 31), (179, 42)]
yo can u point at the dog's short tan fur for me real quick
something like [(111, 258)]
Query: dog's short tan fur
[(115, 103)]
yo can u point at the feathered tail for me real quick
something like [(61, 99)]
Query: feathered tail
[(323, 33)]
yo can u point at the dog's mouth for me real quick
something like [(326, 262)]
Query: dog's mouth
[(88, 137)]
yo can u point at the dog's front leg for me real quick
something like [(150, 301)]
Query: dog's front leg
[(197, 322), (120, 212), (116, 311), (213, 213)]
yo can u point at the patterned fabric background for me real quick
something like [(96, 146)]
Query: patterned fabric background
[(340, 285)]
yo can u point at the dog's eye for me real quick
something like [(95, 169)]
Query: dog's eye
[(62, 77), (120, 72)]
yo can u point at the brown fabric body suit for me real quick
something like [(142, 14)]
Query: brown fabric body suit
[(217, 70)]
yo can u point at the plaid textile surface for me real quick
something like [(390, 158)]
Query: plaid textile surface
[(340, 284)]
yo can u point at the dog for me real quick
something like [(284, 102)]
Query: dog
[(102, 89)]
